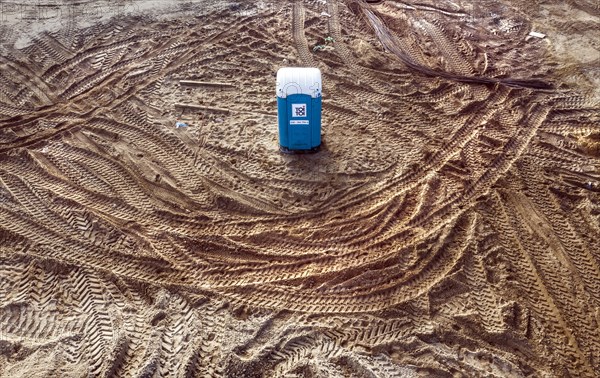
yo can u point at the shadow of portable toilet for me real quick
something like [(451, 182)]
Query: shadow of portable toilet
[(299, 109)]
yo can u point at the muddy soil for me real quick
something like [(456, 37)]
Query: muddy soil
[(448, 227)]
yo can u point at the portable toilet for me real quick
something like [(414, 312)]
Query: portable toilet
[(299, 109)]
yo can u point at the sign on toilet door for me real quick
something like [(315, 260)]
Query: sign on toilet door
[(299, 110)]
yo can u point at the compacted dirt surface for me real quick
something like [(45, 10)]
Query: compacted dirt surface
[(448, 227)]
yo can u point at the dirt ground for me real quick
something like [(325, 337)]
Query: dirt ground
[(448, 227)]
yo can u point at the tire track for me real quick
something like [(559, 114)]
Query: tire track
[(300, 42), (538, 295)]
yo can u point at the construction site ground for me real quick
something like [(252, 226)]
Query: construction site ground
[(448, 226)]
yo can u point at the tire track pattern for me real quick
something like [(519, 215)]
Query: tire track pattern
[(445, 227)]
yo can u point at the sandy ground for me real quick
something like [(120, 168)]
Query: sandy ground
[(449, 226)]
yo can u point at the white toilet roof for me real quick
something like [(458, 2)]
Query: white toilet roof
[(298, 80)]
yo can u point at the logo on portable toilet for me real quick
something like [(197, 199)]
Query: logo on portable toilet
[(299, 109)]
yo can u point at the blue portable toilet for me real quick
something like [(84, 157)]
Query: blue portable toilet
[(299, 109)]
